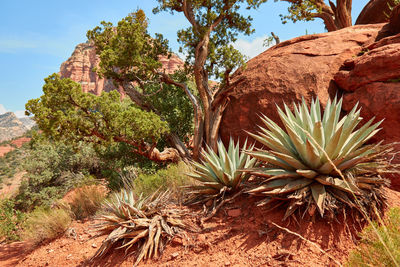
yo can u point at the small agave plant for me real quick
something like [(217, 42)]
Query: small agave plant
[(144, 223), (320, 161), (219, 172)]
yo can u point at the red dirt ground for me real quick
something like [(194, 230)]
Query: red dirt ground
[(5, 149), (246, 240)]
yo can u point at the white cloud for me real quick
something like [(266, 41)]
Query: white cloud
[(20, 113), (251, 48), (2, 109), (13, 45), (36, 43)]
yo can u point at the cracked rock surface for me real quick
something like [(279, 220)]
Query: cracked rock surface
[(300, 67)]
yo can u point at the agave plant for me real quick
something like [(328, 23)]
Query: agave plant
[(320, 161), (219, 171), (146, 223)]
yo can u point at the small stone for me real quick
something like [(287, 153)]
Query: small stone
[(94, 245), (174, 255), (69, 256), (50, 250), (71, 233), (234, 212), (227, 263)]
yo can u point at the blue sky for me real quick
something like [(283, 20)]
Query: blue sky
[(37, 36)]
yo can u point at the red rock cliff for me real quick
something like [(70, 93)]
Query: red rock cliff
[(79, 67)]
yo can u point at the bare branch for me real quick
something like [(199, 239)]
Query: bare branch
[(276, 38), (188, 11)]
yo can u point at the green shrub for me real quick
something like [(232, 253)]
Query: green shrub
[(10, 220), (116, 157), (371, 251), (52, 170), (171, 178), (45, 224)]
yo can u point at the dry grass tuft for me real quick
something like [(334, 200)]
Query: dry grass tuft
[(46, 224), (86, 201)]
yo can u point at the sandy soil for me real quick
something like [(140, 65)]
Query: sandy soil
[(236, 236)]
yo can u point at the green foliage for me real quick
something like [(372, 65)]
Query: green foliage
[(66, 112), (129, 47), (170, 178), (53, 169), (173, 105), (222, 57), (10, 220), (371, 251), (116, 157), (218, 172), (303, 164), (301, 11), (45, 224)]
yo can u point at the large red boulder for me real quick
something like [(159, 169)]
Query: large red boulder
[(373, 80), (358, 62), (380, 64), (301, 67)]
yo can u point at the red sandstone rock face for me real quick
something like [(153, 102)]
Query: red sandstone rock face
[(379, 65), (301, 67), (322, 65), (373, 80), (79, 67)]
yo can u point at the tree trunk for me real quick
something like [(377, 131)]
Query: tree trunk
[(335, 17), (276, 38), (198, 115), (343, 14)]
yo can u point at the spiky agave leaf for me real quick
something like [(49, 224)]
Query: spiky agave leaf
[(220, 171), (145, 223), (301, 156)]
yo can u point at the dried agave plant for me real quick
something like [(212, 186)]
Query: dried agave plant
[(219, 172), (146, 224), (320, 161)]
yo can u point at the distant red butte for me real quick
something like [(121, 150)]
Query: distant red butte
[(79, 68), (20, 141), (17, 143)]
